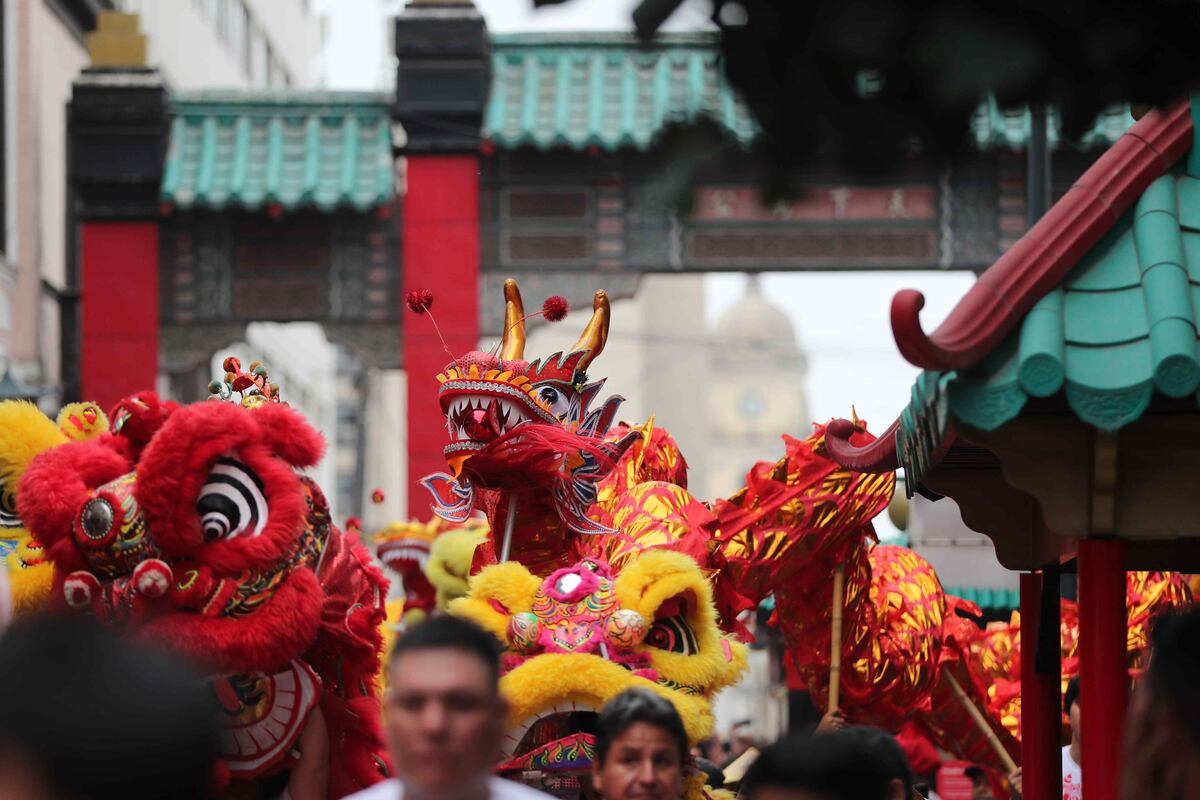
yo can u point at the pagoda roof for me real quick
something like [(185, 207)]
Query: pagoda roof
[(1098, 303), (611, 91), (606, 90), (289, 148)]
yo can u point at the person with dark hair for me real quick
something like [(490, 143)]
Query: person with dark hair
[(640, 748), (886, 748), (1071, 772), (87, 715), (840, 765), (445, 716), (981, 784), (1162, 731)]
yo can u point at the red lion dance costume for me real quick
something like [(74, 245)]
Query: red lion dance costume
[(190, 527), (567, 492)]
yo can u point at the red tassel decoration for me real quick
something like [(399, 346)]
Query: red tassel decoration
[(419, 300), (555, 308)]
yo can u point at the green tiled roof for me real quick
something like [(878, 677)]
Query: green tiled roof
[(605, 90), (988, 599), (995, 128), (608, 91), (297, 149), (1121, 328)]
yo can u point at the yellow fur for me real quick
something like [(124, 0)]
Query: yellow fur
[(510, 584), (25, 432), (659, 575), (450, 562), (72, 421), (589, 681)]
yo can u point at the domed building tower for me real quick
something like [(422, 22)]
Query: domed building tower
[(757, 392)]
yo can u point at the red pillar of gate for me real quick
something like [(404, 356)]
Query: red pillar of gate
[(1102, 675), (119, 315), (441, 254), (1041, 728)]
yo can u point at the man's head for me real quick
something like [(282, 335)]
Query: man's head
[(1071, 707), (841, 765), (445, 715), (640, 748), (981, 786)]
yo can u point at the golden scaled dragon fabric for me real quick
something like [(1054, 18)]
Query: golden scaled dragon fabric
[(995, 652), (787, 531)]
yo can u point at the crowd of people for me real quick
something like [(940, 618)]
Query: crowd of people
[(87, 715)]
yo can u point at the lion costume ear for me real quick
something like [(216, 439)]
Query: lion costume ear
[(684, 641), (496, 593)]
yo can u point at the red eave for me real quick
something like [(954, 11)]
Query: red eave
[(995, 305)]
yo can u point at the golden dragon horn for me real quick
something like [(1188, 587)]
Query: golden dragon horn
[(512, 346), (595, 335)]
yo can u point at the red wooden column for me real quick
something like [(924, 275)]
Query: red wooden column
[(119, 318), (1041, 729), (117, 129), (1102, 675), (443, 75), (440, 253)]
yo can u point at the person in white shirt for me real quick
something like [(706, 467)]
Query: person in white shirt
[(1071, 773), (445, 717)]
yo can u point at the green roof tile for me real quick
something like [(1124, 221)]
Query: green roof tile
[(1121, 328), (300, 149), (605, 90), (996, 128), (988, 599), (609, 91)]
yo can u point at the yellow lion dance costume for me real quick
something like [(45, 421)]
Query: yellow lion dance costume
[(584, 634), (26, 432)]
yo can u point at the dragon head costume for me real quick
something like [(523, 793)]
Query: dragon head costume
[(524, 434), (192, 527)]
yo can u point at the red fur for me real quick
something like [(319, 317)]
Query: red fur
[(176, 465), (56, 485), (289, 435), (138, 417), (280, 630), (347, 657)]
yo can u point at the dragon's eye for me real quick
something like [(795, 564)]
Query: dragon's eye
[(555, 397), (231, 502), (8, 509)]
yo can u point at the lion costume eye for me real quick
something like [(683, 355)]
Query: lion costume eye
[(674, 635), (231, 502), (8, 509)]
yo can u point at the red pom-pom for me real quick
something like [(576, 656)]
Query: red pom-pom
[(555, 308), (419, 300)]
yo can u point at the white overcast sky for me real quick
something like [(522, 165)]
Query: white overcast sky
[(841, 318)]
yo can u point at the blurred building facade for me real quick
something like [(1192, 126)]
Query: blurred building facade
[(239, 43), (249, 44)]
